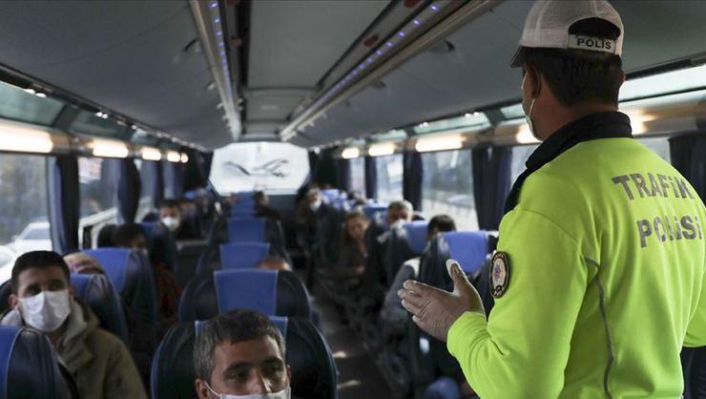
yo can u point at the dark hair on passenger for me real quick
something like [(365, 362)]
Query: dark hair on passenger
[(38, 260), (168, 203), (105, 236), (231, 327), (354, 214), (441, 223), (579, 76), (123, 235)]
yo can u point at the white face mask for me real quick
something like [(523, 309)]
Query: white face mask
[(172, 223), (283, 394), (46, 311), (528, 115), (314, 206)]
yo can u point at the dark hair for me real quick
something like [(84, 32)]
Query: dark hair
[(578, 76), (441, 223), (123, 235), (38, 260), (232, 327), (168, 203), (105, 236), (345, 238)]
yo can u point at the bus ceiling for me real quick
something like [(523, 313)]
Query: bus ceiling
[(308, 72)]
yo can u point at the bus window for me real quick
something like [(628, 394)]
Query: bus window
[(98, 180), (447, 187), (146, 185), (358, 175), (24, 209), (389, 175), (660, 145), (520, 154), (259, 166)]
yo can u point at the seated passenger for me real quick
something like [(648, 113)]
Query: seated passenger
[(274, 263), (263, 208), (393, 316), (42, 299), (351, 259), (170, 215), (190, 216), (105, 236), (132, 236), (81, 263), (241, 353)]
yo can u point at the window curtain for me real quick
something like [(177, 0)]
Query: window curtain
[(197, 170), (344, 174), (64, 202), (491, 183), (326, 172), (371, 178), (157, 188), (412, 178), (129, 189), (688, 157), (173, 179)]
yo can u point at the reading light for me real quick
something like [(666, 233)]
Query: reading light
[(380, 150), (151, 154), (184, 158), (109, 148), (350, 153), (173, 156), (439, 143)]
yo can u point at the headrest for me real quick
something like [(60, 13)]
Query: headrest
[(278, 321), (246, 289), (29, 367), (115, 262), (242, 255), (242, 213), (246, 230), (469, 248), (150, 228), (331, 193), (370, 210), (97, 292), (417, 235)]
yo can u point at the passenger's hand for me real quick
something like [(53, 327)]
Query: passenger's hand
[(435, 310)]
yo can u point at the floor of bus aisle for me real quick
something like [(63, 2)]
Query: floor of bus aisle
[(359, 377)]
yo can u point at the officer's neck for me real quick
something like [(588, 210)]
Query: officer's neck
[(561, 116)]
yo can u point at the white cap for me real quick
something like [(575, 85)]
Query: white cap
[(548, 23)]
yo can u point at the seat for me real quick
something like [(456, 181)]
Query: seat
[(314, 374), (161, 243), (29, 367), (469, 248), (269, 291), (371, 210), (407, 241), (246, 230), (242, 255), (97, 292)]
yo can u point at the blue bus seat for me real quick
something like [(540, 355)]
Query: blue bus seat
[(314, 374), (469, 248), (406, 241), (371, 210), (246, 230), (276, 293), (97, 292), (161, 243), (242, 255), (29, 367)]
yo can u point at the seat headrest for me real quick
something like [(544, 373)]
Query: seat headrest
[(469, 248), (29, 367), (331, 194), (246, 230), (417, 235), (371, 210), (150, 228), (246, 289), (278, 321), (116, 262), (97, 292), (242, 255)]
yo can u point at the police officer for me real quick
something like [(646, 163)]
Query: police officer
[(599, 273)]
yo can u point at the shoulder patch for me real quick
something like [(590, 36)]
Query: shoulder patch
[(499, 274)]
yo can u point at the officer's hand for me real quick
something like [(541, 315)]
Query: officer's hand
[(435, 310)]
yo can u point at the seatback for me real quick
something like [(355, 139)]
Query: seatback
[(97, 292), (29, 367), (407, 241), (314, 373), (469, 248), (246, 230), (371, 210), (269, 291), (161, 243), (242, 255)]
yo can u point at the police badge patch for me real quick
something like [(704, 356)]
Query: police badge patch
[(499, 274)]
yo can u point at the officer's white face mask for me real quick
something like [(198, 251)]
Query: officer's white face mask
[(283, 394), (172, 223), (528, 114), (46, 311)]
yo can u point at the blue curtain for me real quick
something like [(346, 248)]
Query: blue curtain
[(157, 189), (64, 202), (326, 171), (491, 183), (173, 179), (197, 170), (129, 189), (371, 178), (688, 157), (413, 176), (344, 174)]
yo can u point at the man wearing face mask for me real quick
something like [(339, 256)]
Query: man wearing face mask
[(599, 275), (171, 216), (42, 299), (241, 355)]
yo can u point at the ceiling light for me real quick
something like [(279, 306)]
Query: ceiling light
[(379, 150), (109, 148), (173, 156), (21, 139), (439, 143), (184, 158), (151, 154), (350, 153)]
